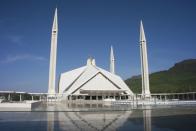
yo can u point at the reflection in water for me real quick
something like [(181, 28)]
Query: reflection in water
[(96, 121), (162, 119), (147, 119), (92, 120), (50, 118)]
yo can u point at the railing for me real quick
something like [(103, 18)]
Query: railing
[(22, 96), (138, 99), (160, 99)]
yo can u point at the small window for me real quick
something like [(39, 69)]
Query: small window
[(99, 97), (93, 97), (87, 98)]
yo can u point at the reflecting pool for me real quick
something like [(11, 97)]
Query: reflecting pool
[(180, 118)]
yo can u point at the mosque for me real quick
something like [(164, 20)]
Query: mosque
[(91, 82)]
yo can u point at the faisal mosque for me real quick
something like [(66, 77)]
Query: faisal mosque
[(91, 82)]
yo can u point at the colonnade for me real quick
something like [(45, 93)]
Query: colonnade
[(9, 96), (97, 97)]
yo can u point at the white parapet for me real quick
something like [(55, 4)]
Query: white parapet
[(19, 106)]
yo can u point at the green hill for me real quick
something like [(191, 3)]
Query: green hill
[(180, 78)]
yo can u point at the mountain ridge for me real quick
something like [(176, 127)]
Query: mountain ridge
[(179, 78)]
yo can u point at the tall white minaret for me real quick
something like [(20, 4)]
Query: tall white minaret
[(112, 61), (144, 64), (53, 53)]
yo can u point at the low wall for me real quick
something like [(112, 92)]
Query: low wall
[(23, 106)]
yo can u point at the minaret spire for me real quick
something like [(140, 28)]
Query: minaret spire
[(53, 53), (112, 61), (55, 21), (144, 63)]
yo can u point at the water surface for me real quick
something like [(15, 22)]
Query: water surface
[(180, 118)]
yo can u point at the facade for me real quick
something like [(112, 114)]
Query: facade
[(92, 83)]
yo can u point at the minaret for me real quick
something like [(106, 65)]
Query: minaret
[(144, 64), (53, 52), (112, 61)]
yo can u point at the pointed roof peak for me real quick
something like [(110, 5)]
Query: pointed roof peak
[(111, 47), (141, 23), (111, 53), (141, 26), (55, 21), (55, 14), (142, 34)]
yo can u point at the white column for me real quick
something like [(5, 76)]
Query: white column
[(165, 97), (20, 97), (90, 97), (9, 97), (144, 64), (53, 52)]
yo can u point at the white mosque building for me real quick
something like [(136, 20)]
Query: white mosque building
[(91, 82)]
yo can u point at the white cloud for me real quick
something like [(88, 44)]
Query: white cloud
[(16, 39), (15, 58)]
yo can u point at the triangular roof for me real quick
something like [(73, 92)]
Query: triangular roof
[(90, 77)]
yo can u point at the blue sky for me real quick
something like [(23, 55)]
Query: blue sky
[(88, 28)]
